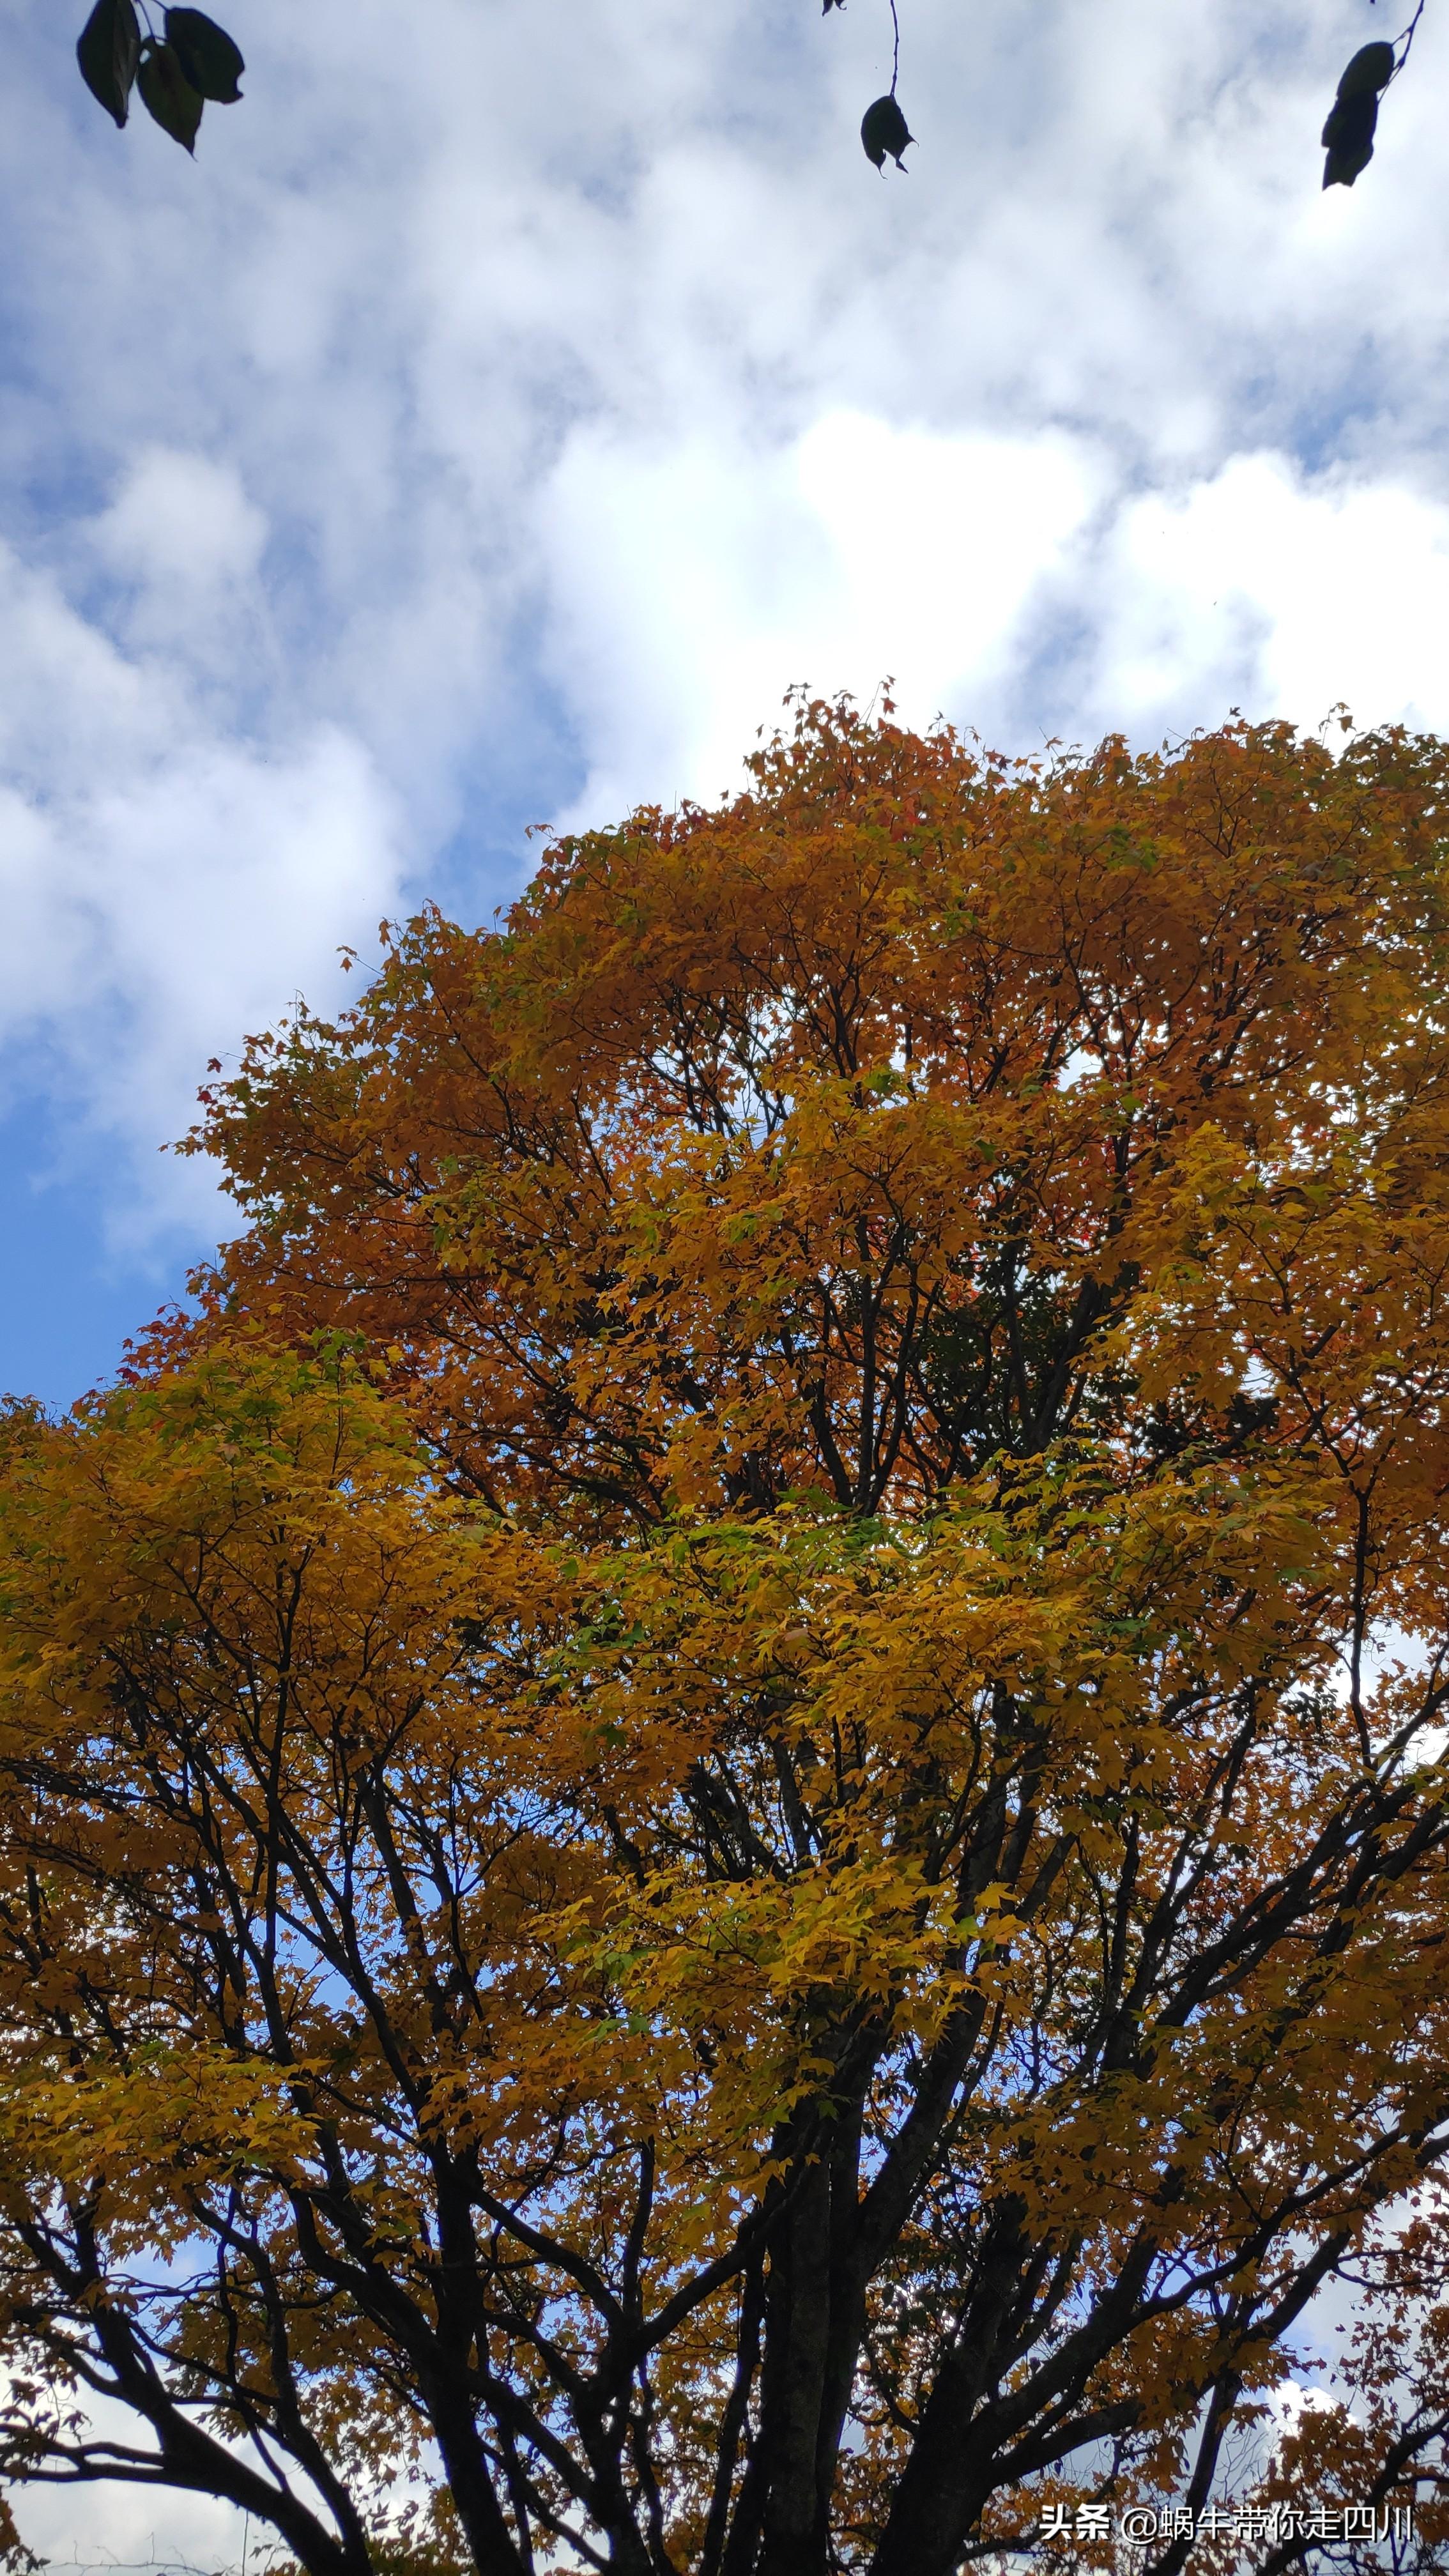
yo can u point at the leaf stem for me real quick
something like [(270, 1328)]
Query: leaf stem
[(1405, 37)]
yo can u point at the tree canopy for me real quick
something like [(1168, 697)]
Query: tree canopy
[(722, 1810)]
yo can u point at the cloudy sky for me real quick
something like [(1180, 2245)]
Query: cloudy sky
[(514, 397)]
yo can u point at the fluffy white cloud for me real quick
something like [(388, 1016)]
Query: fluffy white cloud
[(159, 874), (690, 583), (181, 525)]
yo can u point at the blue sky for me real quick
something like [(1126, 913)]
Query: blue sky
[(512, 400)]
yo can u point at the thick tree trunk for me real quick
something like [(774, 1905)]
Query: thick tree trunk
[(797, 2334)]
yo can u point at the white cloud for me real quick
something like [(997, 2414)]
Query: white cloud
[(181, 521), (691, 584), (1289, 593), (157, 872)]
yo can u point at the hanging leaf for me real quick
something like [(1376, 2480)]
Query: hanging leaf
[(831, 4), (168, 93), (883, 130), (210, 61), (109, 44), (1348, 138), (1372, 68)]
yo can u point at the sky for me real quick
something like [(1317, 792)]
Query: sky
[(513, 399)]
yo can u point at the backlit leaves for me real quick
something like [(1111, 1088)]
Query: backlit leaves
[(208, 58), (883, 129), (196, 61), (1369, 70), (168, 94), (1348, 135), (109, 45)]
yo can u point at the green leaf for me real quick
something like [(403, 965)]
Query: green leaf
[(209, 59), (168, 93), (107, 50), (883, 130)]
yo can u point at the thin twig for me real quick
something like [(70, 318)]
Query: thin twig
[(1405, 37)]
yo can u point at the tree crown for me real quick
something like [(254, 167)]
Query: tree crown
[(708, 1832)]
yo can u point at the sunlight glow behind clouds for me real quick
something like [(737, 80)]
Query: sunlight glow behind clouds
[(691, 586)]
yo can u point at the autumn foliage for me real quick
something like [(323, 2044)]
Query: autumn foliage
[(722, 1821)]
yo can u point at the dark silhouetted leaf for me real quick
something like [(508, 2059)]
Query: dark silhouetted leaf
[(831, 4), (109, 44), (883, 130), (209, 59), (1371, 69), (1348, 138), (168, 93)]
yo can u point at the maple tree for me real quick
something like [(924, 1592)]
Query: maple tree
[(722, 1819)]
